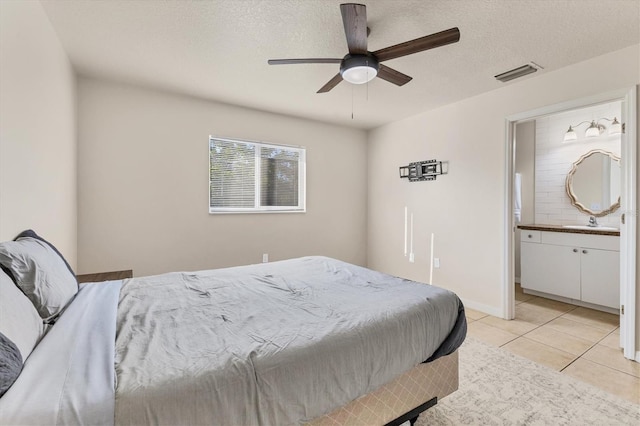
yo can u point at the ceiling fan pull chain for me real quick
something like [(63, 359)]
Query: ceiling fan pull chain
[(367, 91), (352, 101)]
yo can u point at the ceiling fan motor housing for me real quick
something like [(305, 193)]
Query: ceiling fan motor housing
[(359, 68)]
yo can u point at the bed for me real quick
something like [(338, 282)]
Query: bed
[(310, 340)]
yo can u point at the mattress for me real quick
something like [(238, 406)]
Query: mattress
[(278, 344)]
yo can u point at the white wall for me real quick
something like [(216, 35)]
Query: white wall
[(37, 129), (554, 160), (465, 208), (524, 164), (143, 185)]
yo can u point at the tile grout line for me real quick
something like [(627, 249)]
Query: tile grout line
[(599, 363), (537, 327), (580, 356), (583, 353), (547, 322), (593, 345), (542, 325), (552, 347), (590, 324)]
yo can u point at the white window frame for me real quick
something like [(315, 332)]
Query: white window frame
[(257, 208)]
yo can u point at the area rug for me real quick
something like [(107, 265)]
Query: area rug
[(500, 388)]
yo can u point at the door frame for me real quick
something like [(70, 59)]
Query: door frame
[(628, 230)]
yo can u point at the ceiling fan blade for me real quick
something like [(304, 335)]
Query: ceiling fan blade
[(331, 84), (354, 18), (393, 76), (442, 38), (304, 61)]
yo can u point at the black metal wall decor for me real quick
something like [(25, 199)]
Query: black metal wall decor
[(422, 170)]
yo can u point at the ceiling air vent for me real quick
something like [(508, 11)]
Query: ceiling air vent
[(516, 73)]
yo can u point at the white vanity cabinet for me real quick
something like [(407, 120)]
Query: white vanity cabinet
[(581, 267)]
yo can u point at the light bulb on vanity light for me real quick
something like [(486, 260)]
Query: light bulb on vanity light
[(593, 130), (571, 135), (616, 127)]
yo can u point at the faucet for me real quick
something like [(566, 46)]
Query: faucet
[(592, 221)]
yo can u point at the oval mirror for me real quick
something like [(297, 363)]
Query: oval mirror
[(593, 184)]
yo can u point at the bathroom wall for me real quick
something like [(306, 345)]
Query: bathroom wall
[(554, 159)]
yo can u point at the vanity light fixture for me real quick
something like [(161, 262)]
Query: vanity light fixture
[(594, 129)]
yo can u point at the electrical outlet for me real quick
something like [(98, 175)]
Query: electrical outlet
[(265, 257), (436, 262), (412, 258)]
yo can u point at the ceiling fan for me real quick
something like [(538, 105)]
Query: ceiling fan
[(360, 66)]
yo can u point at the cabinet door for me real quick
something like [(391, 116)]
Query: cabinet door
[(600, 271), (551, 269)]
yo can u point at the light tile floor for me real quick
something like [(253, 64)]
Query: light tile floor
[(580, 342)]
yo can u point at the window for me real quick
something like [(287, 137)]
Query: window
[(255, 177)]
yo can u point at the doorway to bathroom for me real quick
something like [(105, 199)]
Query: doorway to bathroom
[(542, 150)]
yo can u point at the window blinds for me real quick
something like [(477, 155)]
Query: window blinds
[(278, 177), (232, 174), (252, 177)]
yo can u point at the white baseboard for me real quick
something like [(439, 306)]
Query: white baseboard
[(489, 310), (571, 301)]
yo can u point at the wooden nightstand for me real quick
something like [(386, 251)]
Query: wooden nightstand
[(105, 276)]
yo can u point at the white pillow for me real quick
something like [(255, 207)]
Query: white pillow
[(41, 274), (19, 320)]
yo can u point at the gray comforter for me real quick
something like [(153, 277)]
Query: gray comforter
[(275, 344)]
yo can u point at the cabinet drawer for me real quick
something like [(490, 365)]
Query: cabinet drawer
[(603, 242), (529, 236)]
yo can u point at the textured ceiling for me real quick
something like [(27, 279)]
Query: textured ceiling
[(219, 49)]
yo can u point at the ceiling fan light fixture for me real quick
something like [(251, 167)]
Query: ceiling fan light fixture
[(359, 75), (359, 69)]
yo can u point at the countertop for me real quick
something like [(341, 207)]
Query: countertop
[(559, 228)]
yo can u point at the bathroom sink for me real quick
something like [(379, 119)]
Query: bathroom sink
[(591, 228)]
